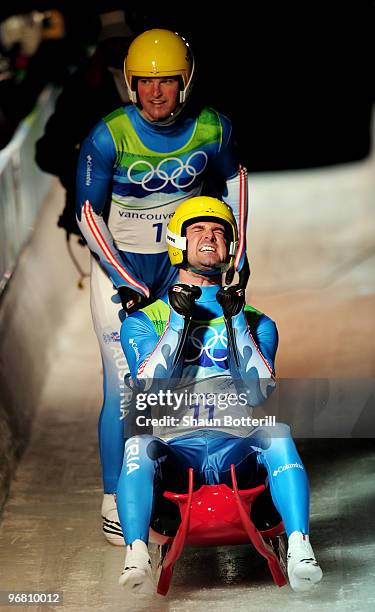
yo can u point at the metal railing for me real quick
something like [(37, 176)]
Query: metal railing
[(23, 186)]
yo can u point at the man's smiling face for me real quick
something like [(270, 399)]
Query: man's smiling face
[(159, 97)]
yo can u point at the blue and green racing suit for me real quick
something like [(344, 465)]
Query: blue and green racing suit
[(131, 176), (214, 377)]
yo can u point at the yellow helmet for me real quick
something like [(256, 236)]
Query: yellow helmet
[(200, 208), (159, 53)]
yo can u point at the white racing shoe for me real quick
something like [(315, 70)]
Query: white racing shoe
[(137, 575), (111, 524), (303, 569)]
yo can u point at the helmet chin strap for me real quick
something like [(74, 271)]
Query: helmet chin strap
[(213, 272)]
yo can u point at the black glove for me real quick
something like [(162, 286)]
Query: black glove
[(182, 298), (231, 299), (243, 275), (132, 300)]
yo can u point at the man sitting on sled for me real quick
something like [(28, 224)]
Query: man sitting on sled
[(203, 341)]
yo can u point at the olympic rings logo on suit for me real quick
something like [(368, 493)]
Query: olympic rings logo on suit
[(174, 176), (217, 341)]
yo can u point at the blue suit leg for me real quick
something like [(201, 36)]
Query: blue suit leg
[(106, 317), (148, 461), (287, 476), (112, 420), (135, 489)]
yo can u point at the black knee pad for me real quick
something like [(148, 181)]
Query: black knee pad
[(156, 449)]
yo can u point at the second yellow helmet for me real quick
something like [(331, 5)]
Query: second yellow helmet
[(191, 211), (159, 53)]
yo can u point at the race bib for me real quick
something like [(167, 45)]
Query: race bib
[(142, 230)]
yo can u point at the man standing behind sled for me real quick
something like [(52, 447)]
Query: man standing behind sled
[(135, 167)]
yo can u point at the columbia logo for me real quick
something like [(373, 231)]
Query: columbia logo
[(287, 466), (134, 345), (88, 170)]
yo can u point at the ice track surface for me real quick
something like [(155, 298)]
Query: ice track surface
[(311, 245)]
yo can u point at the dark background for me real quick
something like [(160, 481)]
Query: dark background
[(297, 79)]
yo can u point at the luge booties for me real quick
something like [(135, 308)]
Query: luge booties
[(111, 523), (303, 569), (137, 575)]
